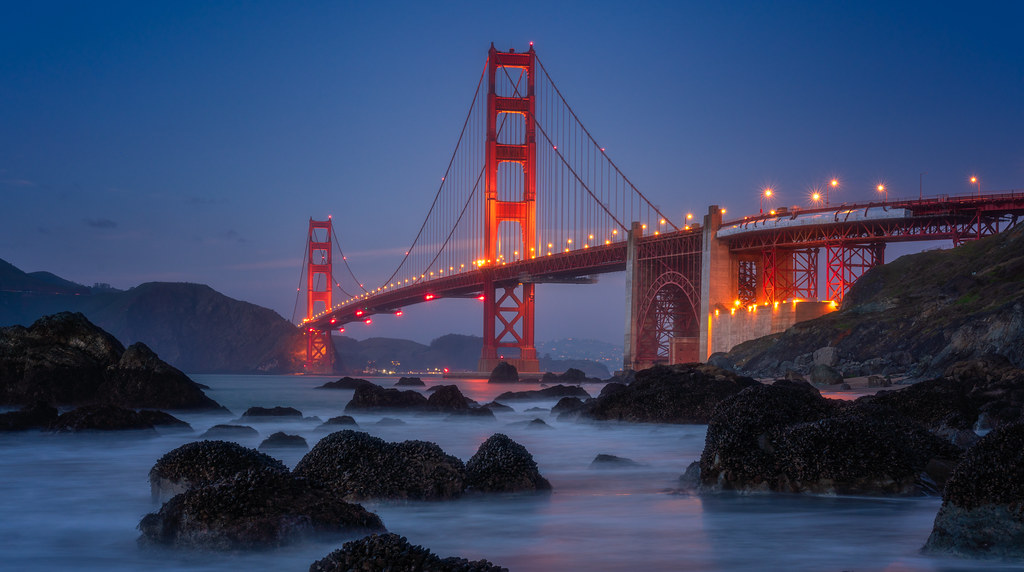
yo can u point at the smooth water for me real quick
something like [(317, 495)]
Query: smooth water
[(74, 501)]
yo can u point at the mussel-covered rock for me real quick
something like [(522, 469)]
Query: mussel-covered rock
[(224, 431), (36, 416), (102, 418), (376, 398), (685, 393), (335, 423), (282, 440), (346, 383), (358, 466), (788, 438), (393, 552), (203, 463), (501, 465), (257, 413), (553, 392), (254, 509), (982, 513), (504, 372)]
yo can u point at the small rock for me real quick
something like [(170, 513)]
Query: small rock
[(504, 372), (222, 431), (282, 440)]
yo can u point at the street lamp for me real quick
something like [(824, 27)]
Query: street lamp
[(976, 180), (833, 183), (816, 197), (767, 194), (882, 189)]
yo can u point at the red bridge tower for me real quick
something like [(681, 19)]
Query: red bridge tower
[(319, 352), (509, 307)]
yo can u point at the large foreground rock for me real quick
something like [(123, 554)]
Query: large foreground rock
[(393, 552), (254, 509), (357, 466), (64, 359), (788, 438), (982, 513), (204, 463), (685, 393), (501, 465)]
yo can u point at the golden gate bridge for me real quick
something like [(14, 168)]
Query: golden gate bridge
[(530, 197)]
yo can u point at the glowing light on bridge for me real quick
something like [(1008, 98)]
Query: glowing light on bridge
[(975, 180), (428, 297), (882, 189), (368, 321)]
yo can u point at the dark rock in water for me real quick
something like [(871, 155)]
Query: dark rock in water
[(554, 392), (141, 379), (844, 387), (65, 359), (375, 398), (410, 382), (282, 440), (822, 374), (983, 393), (571, 375), (477, 413), (689, 481), (102, 418), (251, 510), (357, 466), (611, 388), (389, 422), (537, 424), (346, 383), (165, 421), (447, 399), (668, 394), (257, 412), (982, 513), (203, 463), (605, 461), (393, 552), (536, 410), (37, 416), (504, 372), (787, 438), (567, 404), (495, 406), (222, 431), (501, 465), (339, 421)]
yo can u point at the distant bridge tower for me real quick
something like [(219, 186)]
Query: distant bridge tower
[(319, 353), (509, 309)]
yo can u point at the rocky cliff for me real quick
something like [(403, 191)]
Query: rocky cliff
[(920, 313)]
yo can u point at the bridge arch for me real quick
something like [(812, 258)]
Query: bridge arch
[(668, 314)]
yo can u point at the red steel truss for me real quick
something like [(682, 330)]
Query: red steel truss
[(319, 354), (668, 284)]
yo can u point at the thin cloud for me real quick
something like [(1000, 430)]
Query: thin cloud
[(20, 183), (100, 223)]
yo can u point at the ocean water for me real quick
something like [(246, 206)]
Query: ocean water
[(74, 501)]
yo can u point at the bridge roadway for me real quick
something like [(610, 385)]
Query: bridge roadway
[(711, 275)]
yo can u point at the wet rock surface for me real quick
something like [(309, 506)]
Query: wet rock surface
[(606, 461), (410, 382), (255, 413), (358, 466), (786, 437), (504, 372), (254, 509), (375, 398), (203, 463), (393, 552), (223, 431), (164, 421), (102, 418), (335, 423), (982, 513), (501, 465), (64, 359), (282, 440), (36, 416), (554, 392), (668, 394), (346, 383)]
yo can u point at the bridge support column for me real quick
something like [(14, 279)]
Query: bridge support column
[(632, 336), (847, 262), (319, 347), (719, 279)]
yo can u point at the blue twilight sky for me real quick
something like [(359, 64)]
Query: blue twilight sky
[(192, 141)]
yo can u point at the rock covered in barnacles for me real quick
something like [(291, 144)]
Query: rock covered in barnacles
[(393, 552), (502, 465), (358, 466), (203, 463)]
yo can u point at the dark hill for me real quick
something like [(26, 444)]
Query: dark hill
[(938, 306), (191, 326)]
